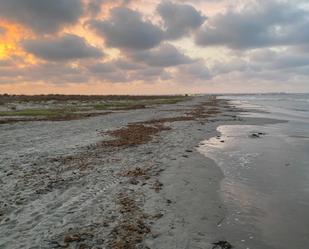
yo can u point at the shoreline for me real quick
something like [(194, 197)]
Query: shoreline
[(198, 209), (152, 187)]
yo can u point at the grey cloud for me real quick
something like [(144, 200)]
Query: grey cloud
[(164, 56), (302, 49), (106, 72), (272, 60), (127, 29), (232, 65), (5, 63), (13, 61), (54, 73), (149, 75), (128, 65), (61, 72), (124, 71), (262, 55), (102, 68), (2, 31), (67, 47), (291, 61), (264, 64), (94, 7), (42, 16), (196, 72), (259, 24), (179, 19)]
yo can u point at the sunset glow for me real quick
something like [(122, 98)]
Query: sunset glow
[(149, 46)]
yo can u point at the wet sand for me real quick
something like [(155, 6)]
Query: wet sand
[(66, 185), (265, 188)]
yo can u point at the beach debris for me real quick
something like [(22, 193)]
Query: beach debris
[(133, 134), (72, 238), (142, 132), (128, 234), (127, 204), (9, 173), (222, 244), (133, 181), (257, 134), (157, 216), (132, 228), (137, 174), (254, 135), (219, 223), (157, 186)]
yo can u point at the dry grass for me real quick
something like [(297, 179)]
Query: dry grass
[(72, 107), (6, 98)]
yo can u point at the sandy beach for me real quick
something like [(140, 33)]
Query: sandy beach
[(129, 179), (154, 124)]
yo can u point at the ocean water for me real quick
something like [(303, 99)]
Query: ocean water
[(266, 184)]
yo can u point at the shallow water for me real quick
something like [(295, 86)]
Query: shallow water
[(266, 184)]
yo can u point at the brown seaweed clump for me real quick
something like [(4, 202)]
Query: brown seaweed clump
[(132, 229), (133, 134)]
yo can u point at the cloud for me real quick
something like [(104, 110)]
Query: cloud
[(267, 43), (179, 19), (107, 72), (67, 47), (2, 31), (196, 72), (258, 24), (123, 71), (94, 7), (267, 59), (263, 64), (42, 16), (49, 72), (127, 29), (5, 63), (99, 68), (164, 56), (149, 75), (128, 65), (232, 65)]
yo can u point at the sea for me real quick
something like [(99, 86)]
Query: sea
[(265, 189)]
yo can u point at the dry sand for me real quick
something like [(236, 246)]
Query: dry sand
[(67, 185)]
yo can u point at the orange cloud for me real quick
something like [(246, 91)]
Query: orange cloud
[(9, 41)]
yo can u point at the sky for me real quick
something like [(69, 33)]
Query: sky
[(153, 47)]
